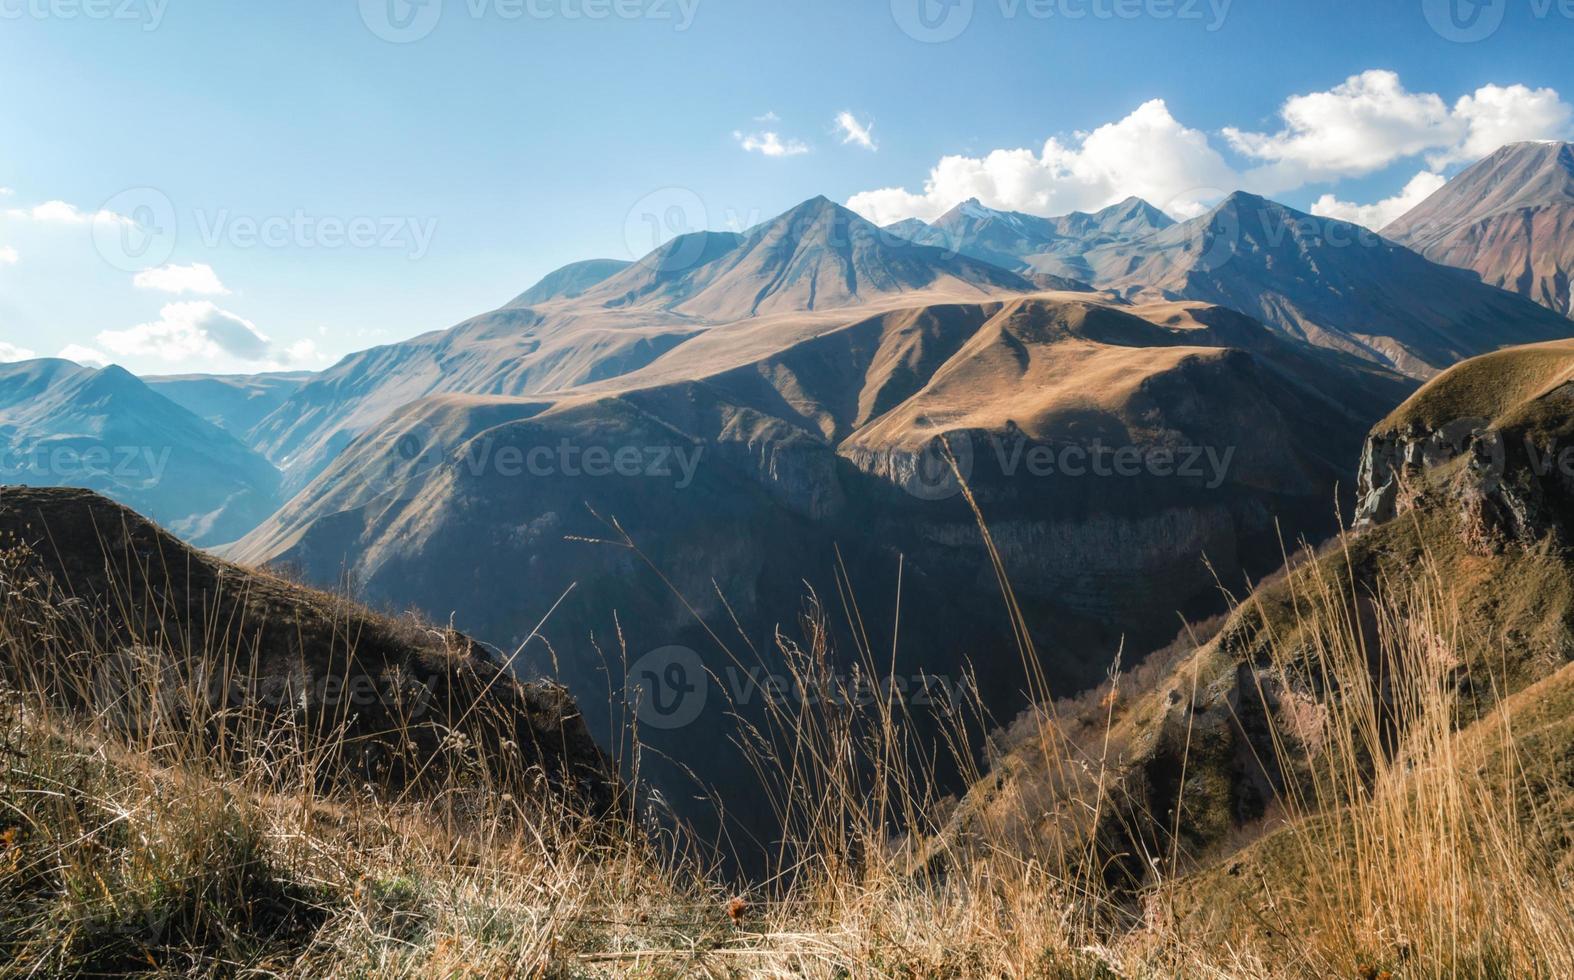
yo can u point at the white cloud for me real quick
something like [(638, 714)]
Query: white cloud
[(1495, 115), (11, 352), (197, 278), (769, 117), (303, 353), (1361, 126), (201, 330), (1358, 127), (6, 192), (59, 212), (86, 356), (854, 131), (1371, 121), (1384, 212), (1148, 154), (8, 255), (770, 143)]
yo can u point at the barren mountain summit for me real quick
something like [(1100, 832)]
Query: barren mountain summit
[(1509, 218), (816, 256)]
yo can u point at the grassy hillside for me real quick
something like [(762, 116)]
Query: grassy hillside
[(1435, 847), (1420, 831), (1361, 771)]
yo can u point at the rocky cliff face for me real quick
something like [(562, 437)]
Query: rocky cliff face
[(1490, 439), (1466, 454)]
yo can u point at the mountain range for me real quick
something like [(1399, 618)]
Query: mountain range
[(667, 453), (104, 429), (1034, 245), (764, 462), (816, 256), (235, 404), (1329, 282), (816, 259), (1458, 489)]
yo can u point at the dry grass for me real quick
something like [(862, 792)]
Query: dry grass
[(1414, 841), (1408, 844)]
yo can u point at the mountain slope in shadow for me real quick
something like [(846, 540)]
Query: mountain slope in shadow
[(62, 424)]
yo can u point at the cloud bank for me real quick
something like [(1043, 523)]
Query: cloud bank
[(198, 278), (12, 352), (199, 330), (1386, 211), (1363, 125)]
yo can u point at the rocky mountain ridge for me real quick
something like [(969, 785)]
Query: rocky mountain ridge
[(1509, 218)]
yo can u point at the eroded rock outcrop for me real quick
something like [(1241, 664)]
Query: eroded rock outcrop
[(1492, 438)]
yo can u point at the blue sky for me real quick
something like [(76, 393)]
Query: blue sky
[(346, 190)]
